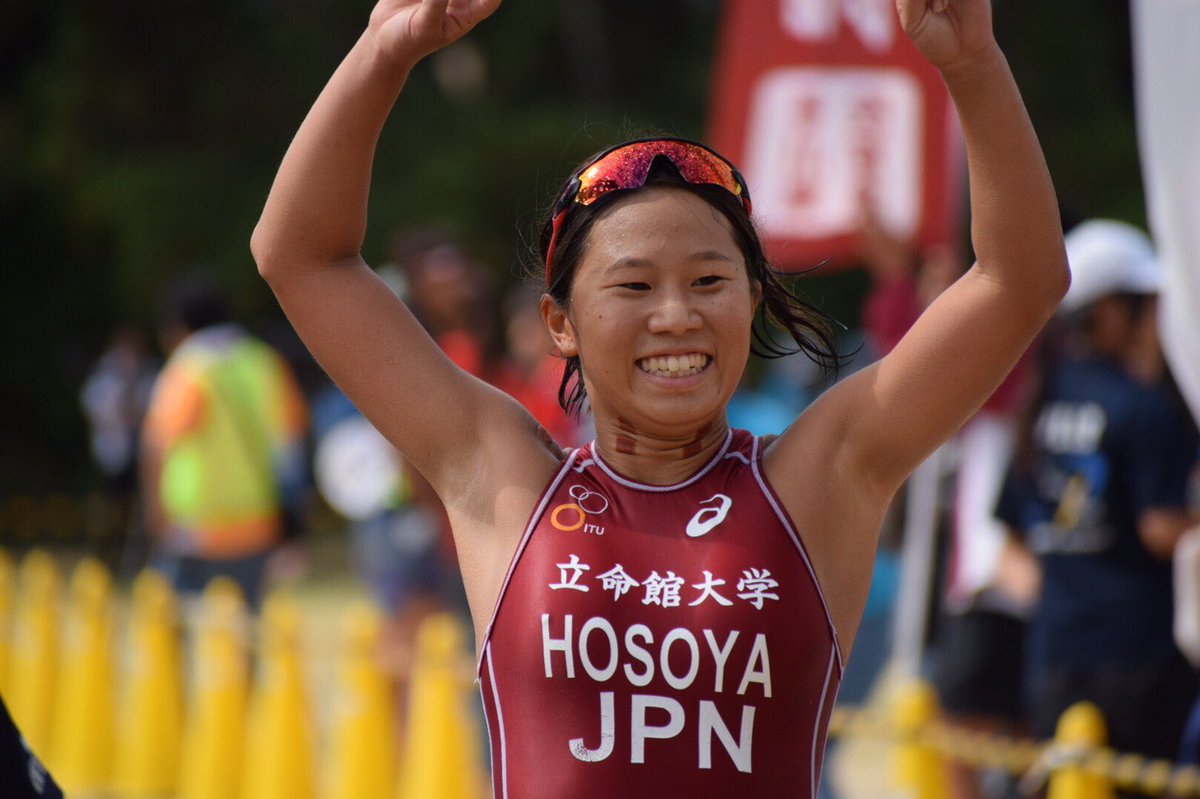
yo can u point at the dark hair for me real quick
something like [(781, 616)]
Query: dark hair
[(810, 328), (195, 301)]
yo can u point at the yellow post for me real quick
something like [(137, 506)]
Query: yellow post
[(34, 658), (1080, 729), (363, 734), (81, 746), (279, 757), (442, 758), (150, 726), (7, 592), (918, 771), (211, 763)]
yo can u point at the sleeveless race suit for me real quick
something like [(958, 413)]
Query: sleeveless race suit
[(660, 641)]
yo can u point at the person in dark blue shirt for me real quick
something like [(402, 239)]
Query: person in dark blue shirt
[(1100, 497)]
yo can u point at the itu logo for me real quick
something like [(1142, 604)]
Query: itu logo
[(708, 518), (571, 516)]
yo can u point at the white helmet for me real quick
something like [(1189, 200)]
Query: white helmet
[(1109, 257)]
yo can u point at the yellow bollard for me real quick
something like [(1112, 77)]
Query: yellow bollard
[(279, 757), (442, 757), (7, 592), (81, 746), (918, 771), (211, 763), (363, 734), (34, 657), (1081, 728), (148, 736)]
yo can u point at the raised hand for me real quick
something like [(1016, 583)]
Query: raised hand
[(948, 32), (408, 30)]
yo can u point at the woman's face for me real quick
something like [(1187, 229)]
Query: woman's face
[(660, 313)]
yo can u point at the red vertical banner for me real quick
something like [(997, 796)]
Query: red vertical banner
[(832, 114)]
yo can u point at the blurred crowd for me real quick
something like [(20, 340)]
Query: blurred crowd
[(1066, 497)]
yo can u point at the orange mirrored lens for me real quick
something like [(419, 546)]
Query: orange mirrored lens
[(628, 166)]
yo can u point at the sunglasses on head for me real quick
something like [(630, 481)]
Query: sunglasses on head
[(627, 166)]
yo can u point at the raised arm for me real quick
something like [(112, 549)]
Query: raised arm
[(307, 247), (889, 417), (838, 466)]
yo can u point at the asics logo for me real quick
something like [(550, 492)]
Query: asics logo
[(708, 518)]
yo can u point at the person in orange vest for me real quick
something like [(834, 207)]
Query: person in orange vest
[(223, 454)]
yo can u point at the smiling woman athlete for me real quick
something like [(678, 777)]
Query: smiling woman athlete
[(665, 611)]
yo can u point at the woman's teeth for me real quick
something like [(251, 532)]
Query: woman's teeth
[(674, 365)]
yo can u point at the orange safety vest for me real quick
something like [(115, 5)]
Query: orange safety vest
[(224, 408)]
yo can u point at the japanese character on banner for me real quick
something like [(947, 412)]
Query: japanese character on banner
[(707, 589), (663, 591), (756, 586), (617, 581), (576, 570)]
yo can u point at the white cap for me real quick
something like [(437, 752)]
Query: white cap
[(1109, 257)]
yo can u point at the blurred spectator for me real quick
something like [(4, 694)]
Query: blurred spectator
[(1100, 495), (992, 584), (396, 520), (991, 579), (114, 399), (396, 530), (222, 446), (362, 477), (451, 296), (1187, 625), (892, 303), (531, 373)]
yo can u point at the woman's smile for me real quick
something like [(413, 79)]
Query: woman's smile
[(675, 366)]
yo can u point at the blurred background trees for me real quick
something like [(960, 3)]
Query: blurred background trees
[(138, 140)]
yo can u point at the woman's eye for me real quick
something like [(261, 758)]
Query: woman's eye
[(709, 280), (636, 286)]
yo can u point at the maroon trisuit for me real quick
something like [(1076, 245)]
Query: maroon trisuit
[(660, 641)]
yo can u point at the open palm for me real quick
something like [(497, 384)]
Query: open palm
[(411, 29), (947, 31)]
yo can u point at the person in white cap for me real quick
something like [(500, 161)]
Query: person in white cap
[(1116, 276), (1100, 495), (1109, 258)]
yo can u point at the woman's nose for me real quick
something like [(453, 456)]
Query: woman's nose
[(674, 314)]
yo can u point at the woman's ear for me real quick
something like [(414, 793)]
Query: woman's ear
[(562, 332)]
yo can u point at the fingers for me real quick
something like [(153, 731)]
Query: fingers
[(912, 11), (479, 10), (462, 15), (430, 15)]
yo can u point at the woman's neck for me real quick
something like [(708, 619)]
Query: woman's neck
[(657, 460)]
